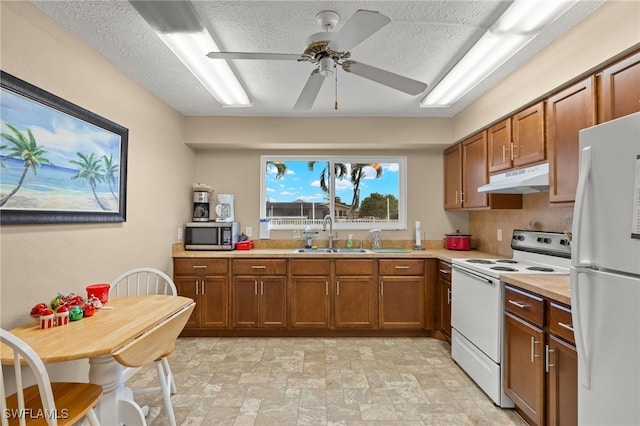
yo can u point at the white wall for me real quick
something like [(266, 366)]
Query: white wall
[(38, 261)]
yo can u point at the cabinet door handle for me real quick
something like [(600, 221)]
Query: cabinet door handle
[(547, 363), (326, 288), (448, 296), (504, 153), (381, 288), (255, 287), (444, 271), (197, 285), (199, 266), (461, 197), (258, 267), (566, 326), (533, 352), (202, 283), (402, 267), (456, 197), (518, 304), (261, 288), (514, 147), (337, 288)]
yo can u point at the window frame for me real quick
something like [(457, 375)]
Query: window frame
[(400, 224)]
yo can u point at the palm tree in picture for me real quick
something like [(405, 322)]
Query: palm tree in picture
[(91, 171), (111, 174), (25, 148)]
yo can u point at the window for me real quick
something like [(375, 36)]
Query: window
[(357, 192)]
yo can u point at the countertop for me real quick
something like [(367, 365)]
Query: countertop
[(554, 287), (178, 251)]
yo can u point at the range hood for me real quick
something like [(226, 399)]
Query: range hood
[(522, 181)]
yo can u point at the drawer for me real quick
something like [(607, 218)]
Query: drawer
[(524, 305), (444, 270), (355, 267), (259, 267), (401, 267), (310, 266), (200, 266), (560, 322)]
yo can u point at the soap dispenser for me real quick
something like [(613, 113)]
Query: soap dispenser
[(350, 241)]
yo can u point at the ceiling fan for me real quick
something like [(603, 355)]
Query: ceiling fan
[(329, 49)]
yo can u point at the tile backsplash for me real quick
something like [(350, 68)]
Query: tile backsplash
[(536, 213)]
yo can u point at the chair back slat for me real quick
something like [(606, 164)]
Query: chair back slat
[(22, 351), (143, 281)]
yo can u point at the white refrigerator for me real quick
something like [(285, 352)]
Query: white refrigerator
[(605, 273)]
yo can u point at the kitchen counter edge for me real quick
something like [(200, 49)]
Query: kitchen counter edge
[(553, 287)]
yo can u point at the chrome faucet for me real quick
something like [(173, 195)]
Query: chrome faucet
[(326, 219)]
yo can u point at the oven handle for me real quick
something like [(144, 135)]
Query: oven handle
[(474, 275)]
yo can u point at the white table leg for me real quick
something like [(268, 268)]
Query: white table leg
[(117, 405)]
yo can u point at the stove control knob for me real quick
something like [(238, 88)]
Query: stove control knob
[(518, 237), (564, 242), (544, 240)]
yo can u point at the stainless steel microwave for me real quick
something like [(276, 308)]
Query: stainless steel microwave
[(211, 235)]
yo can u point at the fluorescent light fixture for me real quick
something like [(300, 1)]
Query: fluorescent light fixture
[(517, 26), (178, 26)]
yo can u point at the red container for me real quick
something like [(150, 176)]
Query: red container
[(101, 291), (244, 245), (458, 241)]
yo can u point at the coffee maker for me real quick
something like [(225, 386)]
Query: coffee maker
[(201, 193), (224, 208)]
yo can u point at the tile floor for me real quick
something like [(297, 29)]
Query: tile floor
[(319, 381)]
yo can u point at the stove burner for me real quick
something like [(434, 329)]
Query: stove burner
[(506, 261), (503, 268), (540, 269), (481, 261)]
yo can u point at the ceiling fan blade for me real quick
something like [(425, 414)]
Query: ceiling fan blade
[(395, 81), (309, 91), (362, 25), (253, 55)]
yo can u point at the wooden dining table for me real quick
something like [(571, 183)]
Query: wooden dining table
[(119, 323)]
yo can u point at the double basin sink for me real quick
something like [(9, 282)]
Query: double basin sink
[(331, 251)]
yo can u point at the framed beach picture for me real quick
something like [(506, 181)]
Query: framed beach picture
[(59, 163)]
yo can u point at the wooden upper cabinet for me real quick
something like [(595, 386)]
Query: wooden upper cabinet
[(619, 93), (453, 177), (528, 136), (475, 172), (568, 112), (499, 146)]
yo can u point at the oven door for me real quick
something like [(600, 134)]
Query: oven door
[(476, 310)]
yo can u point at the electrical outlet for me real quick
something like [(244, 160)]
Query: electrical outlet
[(179, 234), (499, 236), (248, 231)]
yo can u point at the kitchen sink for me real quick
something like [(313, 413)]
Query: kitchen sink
[(332, 251)]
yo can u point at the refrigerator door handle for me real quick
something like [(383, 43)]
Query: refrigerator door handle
[(585, 171), (579, 330)]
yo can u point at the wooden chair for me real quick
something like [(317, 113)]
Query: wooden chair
[(149, 281), (151, 345), (44, 403)]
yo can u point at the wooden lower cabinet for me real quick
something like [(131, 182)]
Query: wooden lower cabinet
[(354, 302), (540, 360), (309, 281), (401, 294), (207, 283), (259, 300), (524, 367), (444, 298)]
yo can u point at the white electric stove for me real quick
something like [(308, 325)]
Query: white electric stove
[(477, 299)]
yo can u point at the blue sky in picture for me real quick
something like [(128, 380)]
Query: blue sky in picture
[(301, 184)]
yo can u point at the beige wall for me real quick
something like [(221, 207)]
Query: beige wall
[(38, 261), (238, 172)]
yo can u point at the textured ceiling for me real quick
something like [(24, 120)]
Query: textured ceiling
[(423, 41)]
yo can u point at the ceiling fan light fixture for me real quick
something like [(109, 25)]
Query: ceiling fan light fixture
[(326, 66), (177, 25), (515, 28)]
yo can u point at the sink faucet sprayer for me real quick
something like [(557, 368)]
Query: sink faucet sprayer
[(326, 219)]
